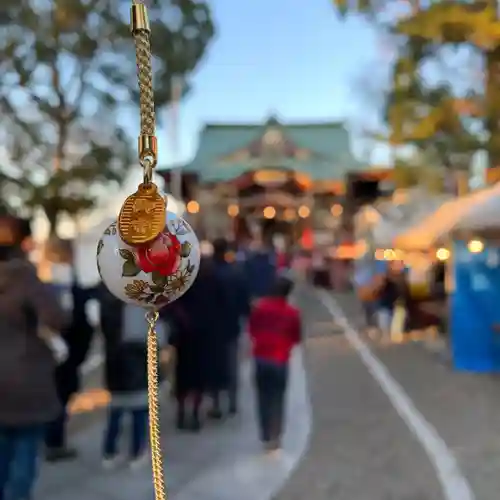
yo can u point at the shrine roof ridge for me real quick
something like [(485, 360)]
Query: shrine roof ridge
[(226, 150), (283, 124)]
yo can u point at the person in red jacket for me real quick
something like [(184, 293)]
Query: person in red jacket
[(275, 329)]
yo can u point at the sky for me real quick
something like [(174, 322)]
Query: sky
[(292, 58)]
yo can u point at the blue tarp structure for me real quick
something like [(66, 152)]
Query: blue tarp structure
[(475, 309)]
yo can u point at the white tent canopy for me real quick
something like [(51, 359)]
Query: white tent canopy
[(389, 220), (438, 225), (485, 215)]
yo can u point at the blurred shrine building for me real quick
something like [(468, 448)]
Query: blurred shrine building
[(273, 178)]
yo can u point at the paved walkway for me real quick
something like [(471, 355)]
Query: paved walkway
[(360, 449), (464, 408), (364, 446), (223, 462)]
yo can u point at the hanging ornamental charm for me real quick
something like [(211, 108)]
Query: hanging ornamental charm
[(154, 274), (149, 256)]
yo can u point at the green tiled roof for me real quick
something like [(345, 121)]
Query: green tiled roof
[(329, 144)]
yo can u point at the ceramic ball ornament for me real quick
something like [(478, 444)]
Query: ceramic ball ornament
[(151, 275)]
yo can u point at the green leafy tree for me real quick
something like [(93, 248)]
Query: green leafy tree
[(433, 117), (69, 89), (427, 117), (477, 26)]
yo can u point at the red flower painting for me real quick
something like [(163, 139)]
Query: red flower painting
[(162, 256)]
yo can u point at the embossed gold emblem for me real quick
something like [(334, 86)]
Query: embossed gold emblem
[(143, 216)]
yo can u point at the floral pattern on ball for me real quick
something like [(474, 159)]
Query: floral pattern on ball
[(163, 262), (154, 275)]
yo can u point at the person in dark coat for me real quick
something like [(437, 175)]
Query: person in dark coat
[(198, 340), (260, 269), (27, 386), (125, 328), (78, 337), (236, 292), (393, 289)]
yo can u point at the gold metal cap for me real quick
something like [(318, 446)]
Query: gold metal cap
[(139, 19)]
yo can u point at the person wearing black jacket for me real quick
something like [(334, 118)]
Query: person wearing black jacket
[(199, 341), (393, 289), (232, 316), (124, 328), (78, 337)]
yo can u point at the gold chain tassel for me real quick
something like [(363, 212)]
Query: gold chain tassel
[(154, 409)]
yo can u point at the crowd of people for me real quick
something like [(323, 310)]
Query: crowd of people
[(43, 345)]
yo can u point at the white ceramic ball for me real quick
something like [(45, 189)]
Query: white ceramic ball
[(139, 277)]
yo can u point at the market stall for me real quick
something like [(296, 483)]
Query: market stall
[(465, 232), (427, 243), (397, 218)]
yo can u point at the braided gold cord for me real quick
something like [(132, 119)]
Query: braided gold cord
[(154, 410), (145, 76)]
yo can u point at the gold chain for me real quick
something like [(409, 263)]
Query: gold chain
[(148, 153), (154, 409)]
